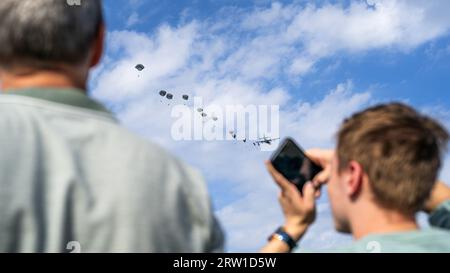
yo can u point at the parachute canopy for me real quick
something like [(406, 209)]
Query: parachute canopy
[(162, 93), (185, 97), (139, 67), (169, 96)]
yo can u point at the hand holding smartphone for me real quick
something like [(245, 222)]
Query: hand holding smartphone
[(291, 161)]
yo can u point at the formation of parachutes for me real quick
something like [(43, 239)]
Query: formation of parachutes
[(203, 114), (258, 142), (170, 96)]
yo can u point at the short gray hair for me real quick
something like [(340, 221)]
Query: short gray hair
[(40, 33)]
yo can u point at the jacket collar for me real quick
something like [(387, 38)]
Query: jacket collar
[(70, 96)]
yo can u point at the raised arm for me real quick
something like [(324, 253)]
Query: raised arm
[(298, 210)]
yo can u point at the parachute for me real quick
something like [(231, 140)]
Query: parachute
[(169, 96), (162, 93), (139, 67), (185, 97)]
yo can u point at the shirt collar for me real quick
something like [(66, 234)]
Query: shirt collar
[(70, 96)]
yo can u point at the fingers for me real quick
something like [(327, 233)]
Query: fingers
[(282, 199), (289, 190), (322, 177), (321, 157), (314, 155), (317, 188), (318, 193)]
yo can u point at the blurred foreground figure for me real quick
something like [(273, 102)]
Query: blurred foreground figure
[(71, 178)]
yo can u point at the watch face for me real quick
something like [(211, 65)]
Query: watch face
[(279, 237)]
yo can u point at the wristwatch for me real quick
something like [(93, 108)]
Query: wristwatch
[(281, 235)]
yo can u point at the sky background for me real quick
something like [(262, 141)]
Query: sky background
[(319, 60)]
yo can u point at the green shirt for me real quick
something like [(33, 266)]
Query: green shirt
[(73, 179), (429, 240)]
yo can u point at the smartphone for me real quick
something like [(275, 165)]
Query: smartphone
[(290, 160)]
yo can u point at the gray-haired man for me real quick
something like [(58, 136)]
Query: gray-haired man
[(70, 176)]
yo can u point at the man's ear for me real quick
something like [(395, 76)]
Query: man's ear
[(355, 175), (98, 47)]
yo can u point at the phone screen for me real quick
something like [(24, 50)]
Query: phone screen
[(293, 164)]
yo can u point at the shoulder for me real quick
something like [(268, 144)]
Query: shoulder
[(22, 110), (424, 240)]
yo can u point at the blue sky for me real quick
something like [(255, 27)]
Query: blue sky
[(319, 60)]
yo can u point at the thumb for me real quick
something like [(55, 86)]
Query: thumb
[(309, 194)]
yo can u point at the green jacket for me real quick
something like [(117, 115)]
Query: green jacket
[(73, 179)]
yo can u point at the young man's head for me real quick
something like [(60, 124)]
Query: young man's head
[(387, 157), (50, 35)]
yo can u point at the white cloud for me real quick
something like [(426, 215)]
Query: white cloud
[(316, 123), (267, 17), (163, 56), (321, 31), (279, 40), (301, 66), (132, 19), (400, 24)]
